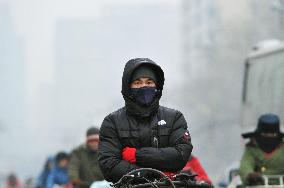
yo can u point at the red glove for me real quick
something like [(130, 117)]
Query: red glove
[(129, 154)]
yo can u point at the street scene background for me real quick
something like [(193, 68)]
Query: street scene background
[(61, 63)]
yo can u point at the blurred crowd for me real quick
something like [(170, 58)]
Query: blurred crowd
[(80, 169), (263, 155)]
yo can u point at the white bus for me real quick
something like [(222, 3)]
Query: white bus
[(263, 87)]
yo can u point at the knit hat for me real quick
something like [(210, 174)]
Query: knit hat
[(92, 131), (60, 156), (144, 71)]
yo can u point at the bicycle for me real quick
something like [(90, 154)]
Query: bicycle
[(148, 178)]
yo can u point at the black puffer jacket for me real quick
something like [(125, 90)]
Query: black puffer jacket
[(158, 133)]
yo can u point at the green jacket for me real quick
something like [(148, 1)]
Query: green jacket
[(254, 160), (84, 166)]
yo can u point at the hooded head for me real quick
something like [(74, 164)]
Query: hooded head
[(135, 69), (49, 163)]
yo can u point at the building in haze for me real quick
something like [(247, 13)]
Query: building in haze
[(217, 36), (90, 56), (12, 90)]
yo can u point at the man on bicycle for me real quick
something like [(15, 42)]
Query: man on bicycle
[(143, 133)]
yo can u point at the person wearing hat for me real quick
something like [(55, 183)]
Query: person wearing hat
[(58, 174), (143, 133), (83, 168), (264, 153)]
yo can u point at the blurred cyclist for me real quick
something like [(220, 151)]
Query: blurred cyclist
[(83, 168), (264, 153)]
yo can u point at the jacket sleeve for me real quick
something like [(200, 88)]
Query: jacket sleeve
[(247, 164), (50, 179), (195, 166), (74, 167), (172, 158), (111, 164)]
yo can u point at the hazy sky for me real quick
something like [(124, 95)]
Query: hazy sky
[(35, 22)]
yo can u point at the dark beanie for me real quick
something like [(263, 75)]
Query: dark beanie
[(92, 131), (144, 71), (60, 156)]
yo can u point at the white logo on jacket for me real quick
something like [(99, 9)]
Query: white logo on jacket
[(162, 122)]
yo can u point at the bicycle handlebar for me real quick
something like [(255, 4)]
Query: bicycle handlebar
[(180, 180)]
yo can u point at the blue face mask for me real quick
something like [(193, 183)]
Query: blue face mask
[(144, 95)]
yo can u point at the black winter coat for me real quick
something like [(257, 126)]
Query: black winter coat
[(120, 130)]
